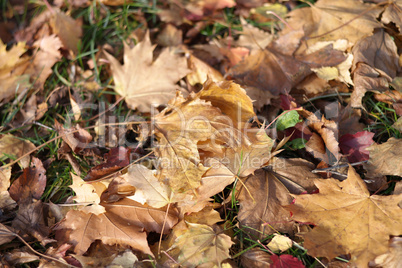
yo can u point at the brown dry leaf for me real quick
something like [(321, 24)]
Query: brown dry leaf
[(16, 147), (253, 38), (12, 67), (124, 223), (280, 72), (392, 13), (76, 138), (5, 234), (87, 195), (201, 245), (31, 184), (348, 219), (67, 29), (261, 199), (332, 20), (375, 64), (145, 83), (6, 202), (20, 256), (201, 71), (116, 159), (255, 258), (385, 159), (30, 222), (391, 259)]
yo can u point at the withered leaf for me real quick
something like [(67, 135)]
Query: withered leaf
[(391, 259), (261, 198), (354, 146), (31, 184), (76, 138), (67, 29), (143, 82), (6, 202), (375, 64), (124, 223), (385, 159), (348, 220), (116, 159), (30, 222), (202, 244), (11, 145), (88, 195), (255, 258)]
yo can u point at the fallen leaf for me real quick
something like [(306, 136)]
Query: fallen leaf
[(5, 234), (385, 159), (76, 138), (31, 184), (124, 223), (371, 73), (280, 72), (391, 259), (255, 258), (30, 222), (202, 244), (87, 196), (280, 243), (354, 145), (6, 202), (117, 158), (392, 14), (201, 71), (332, 20), (16, 147), (286, 260), (67, 29), (251, 37), (20, 256), (148, 188), (347, 219), (153, 82)]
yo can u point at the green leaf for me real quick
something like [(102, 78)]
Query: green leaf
[(289, 119), (298, 143)]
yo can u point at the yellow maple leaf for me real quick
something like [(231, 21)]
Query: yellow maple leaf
[(348, 219)]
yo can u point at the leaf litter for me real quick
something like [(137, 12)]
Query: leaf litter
[(237, 142)]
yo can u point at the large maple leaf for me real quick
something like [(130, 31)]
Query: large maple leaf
[(144, 82), (348, 219)]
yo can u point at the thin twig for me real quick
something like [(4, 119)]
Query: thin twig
[(338, 166)]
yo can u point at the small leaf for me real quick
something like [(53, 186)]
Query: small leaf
[(289, 119)]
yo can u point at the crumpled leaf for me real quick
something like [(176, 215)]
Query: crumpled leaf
[(375, 64), (202, 244), (280, 243), (392, 13), (124, 223), (11, 145), (76, 138), (385, 159), (31, 184), (347, 219), (145, 83), (354, 146)]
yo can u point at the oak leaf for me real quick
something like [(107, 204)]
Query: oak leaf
[(348, 220), (144, 82), (202, 244)]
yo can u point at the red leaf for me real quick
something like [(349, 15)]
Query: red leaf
[(354, 146), (286, 260)]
